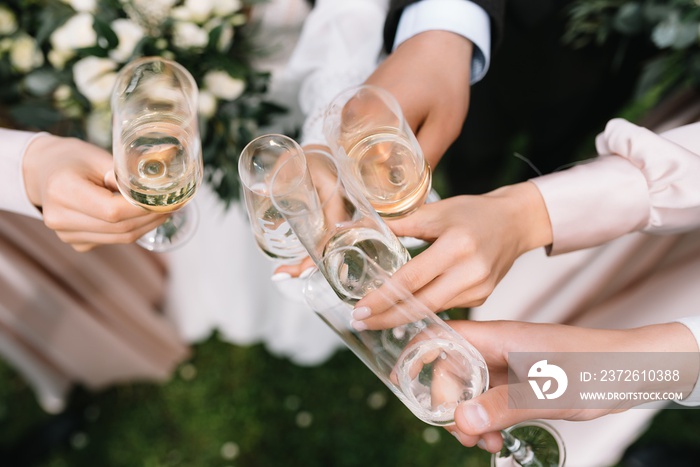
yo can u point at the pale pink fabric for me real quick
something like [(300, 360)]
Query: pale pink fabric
[(66, 317), (603, 270), (641, 181), (90, 318)]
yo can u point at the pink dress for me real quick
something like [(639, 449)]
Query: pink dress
[(66, 317), (633, 261)]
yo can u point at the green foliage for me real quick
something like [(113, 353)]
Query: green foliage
[(41, 43), (671, 26)]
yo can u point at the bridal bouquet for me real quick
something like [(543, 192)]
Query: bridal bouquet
[(671, 27), (59, 59)]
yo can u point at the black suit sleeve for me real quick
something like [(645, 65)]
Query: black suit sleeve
[(494, 8)]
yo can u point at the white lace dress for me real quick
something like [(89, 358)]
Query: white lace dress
[(219, 281)]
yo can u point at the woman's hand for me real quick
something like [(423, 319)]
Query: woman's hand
[(481, 418), (475, 241), (73, 183)]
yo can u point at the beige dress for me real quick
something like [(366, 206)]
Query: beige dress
[(71, 318)]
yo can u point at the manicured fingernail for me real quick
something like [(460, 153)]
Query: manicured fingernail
[(476, 416), (482, 444), (306, 272), (361, 312), (359, 325), (280, 276)]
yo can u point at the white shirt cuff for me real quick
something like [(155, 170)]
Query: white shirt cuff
[(459, 16), (13, 194), (692, 323)]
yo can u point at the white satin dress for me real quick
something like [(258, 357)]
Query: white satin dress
[(219, 281)]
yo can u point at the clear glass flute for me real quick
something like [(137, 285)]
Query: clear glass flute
[(327, 211), (423, 361), (366, 129), (257, 164), (156, 145)]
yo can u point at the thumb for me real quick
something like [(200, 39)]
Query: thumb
[(494, 410)]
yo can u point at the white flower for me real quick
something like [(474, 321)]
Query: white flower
[(226, 7), (94, 77), (75, 33), (200, 10), (129, 34), (62, 93), (58, 58), (206, 104), (98, 127), (25, 55), (223, 86), (89, 6), (189, 36), (226, 36), (8, 21)]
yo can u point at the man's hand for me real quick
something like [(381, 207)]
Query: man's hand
[(429, 75)]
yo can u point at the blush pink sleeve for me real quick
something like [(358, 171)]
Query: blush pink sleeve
[(639, 181), (13, 196)]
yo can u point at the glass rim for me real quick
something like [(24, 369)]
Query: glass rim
[(249, 151), (178, 68), (338, 182)]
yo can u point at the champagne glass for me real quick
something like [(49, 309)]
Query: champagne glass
[(257, 164), (327, 211), (156, 145), (428, 366), (366, 129)]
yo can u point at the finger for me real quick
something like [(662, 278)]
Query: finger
[(64, 220), (97, 238), (93, 200), (415, 225), (491, 411), (410, 277), (302, 269), (464, 439)]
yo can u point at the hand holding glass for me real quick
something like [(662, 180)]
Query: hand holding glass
[(327, 211), (366, 128), (156, 145), (423, 361)]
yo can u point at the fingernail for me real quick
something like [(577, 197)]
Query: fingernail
[(482, 444), (280, 276), (362, 312), (455, 434), (476, 416), (358, 325), (307, 272)]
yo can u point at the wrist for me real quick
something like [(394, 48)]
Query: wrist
[(661, 338), (34, 165), (526, 215)]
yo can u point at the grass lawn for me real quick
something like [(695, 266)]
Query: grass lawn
[(240, 406)]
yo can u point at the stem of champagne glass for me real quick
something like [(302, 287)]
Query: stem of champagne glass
[(522, 452)]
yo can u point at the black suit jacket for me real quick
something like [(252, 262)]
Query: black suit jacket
[(540, 98)]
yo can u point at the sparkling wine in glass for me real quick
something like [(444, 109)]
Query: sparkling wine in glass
[(365, 128), (423, 361), (156, 145), (328, 212), (257, 165)]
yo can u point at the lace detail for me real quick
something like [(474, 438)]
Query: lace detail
[(317, 92)]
